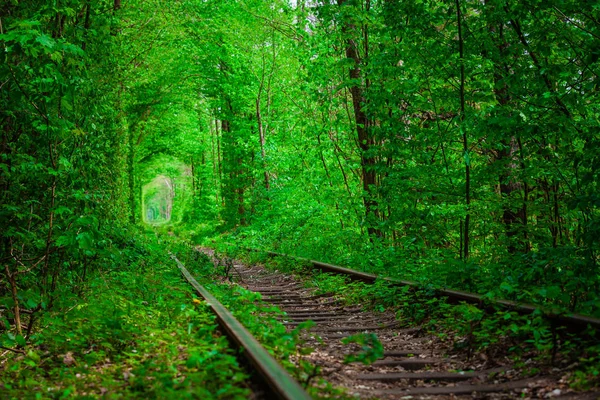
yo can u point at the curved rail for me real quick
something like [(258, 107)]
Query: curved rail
[(570, 320), (275, 377)]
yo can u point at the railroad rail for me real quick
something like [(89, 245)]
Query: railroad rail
[(275, 377), (573, 320), (415, 364)]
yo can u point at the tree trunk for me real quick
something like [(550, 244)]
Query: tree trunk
[(466, 237), (362, 122), (508, 154), (130, 176), (193, 178), (512, 219), (219, 160), (261, 137)]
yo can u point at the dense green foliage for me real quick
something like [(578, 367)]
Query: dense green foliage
[(449, 142), (60, 159)]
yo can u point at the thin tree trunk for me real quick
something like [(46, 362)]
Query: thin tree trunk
[(219, 160), (549, 85), (86, 25), (49, 236), (261, 131), (193, 178), (13, 289), (131, 177), (214, 160), (466, 237), (261, 136)]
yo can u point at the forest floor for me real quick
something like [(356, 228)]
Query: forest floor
[(134, 332)]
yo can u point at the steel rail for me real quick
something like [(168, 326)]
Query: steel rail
[(570, 320), (273, 374)]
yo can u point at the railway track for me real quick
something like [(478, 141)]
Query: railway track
[(412, 364), (370, 354), (576, 322)]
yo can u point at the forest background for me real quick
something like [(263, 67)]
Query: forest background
[(449, 142)]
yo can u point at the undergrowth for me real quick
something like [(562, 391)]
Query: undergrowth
[(135, 331)]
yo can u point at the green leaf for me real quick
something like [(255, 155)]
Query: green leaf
[(60, 210), (506, 287), (46, 41), (85, 241), (20, 340), (371, 351), (64, 240), (32, 355)]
